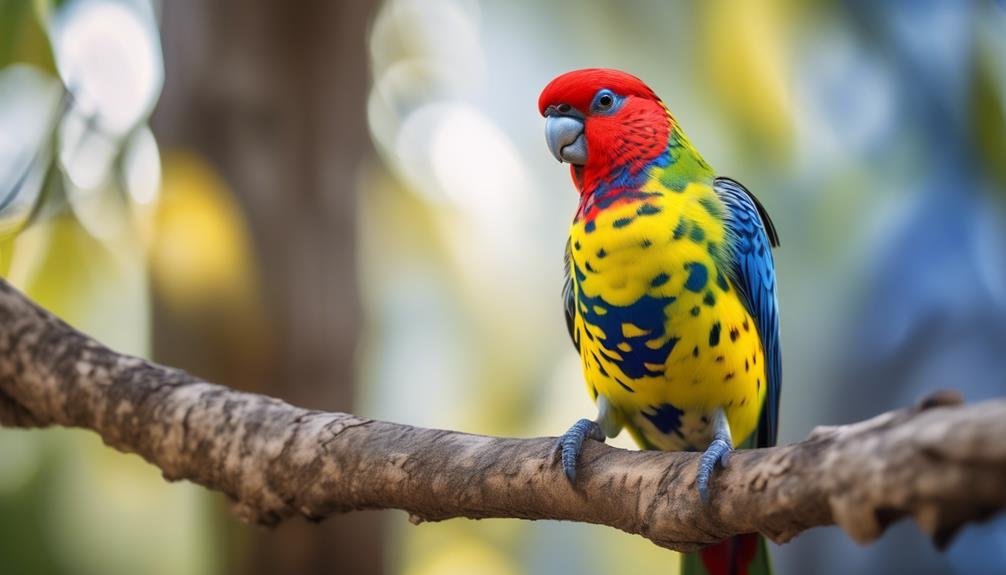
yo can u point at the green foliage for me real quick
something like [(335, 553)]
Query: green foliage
[(22, 35)]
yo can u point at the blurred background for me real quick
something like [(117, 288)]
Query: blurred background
[(350, 205)]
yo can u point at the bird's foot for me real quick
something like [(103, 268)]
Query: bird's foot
[(718, 453), (570, 444)]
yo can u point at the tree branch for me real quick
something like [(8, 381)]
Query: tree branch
[(941, 463)]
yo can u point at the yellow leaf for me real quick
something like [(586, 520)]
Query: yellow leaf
[(201, 247), (745, 46)]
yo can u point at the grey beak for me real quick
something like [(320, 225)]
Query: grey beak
[(564, 135)]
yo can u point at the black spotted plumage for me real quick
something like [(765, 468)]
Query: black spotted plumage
[(568, 297)]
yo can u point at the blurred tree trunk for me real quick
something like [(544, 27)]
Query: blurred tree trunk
[(274, 96)]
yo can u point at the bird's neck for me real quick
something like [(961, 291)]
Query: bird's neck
[(682, 164), (678, 165)]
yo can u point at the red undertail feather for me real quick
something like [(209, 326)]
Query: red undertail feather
[(731, 556)]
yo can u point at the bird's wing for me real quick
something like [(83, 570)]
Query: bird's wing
[(568, 297), (752, 270)]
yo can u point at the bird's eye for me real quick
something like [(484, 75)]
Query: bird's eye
[(605, 102)]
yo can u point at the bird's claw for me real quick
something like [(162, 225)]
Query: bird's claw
[(570, 444), (718, 453)]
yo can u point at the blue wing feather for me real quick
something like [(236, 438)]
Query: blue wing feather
[(752, 237)]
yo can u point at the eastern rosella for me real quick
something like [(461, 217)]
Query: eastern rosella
[(670, 288)]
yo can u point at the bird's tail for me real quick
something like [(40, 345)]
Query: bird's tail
[(740, 555)]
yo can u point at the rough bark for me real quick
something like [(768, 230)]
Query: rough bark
[(940, 462)]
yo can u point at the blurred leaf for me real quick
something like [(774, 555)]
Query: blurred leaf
[(97, 533), (744, 44), (22, 36), (463, 554), (95, 286), (6, 253), (211, 318), (108, 54), (24, 471), (989, 118), (201, 252), (30, 101)]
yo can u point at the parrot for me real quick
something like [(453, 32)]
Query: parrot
[(669, 291)]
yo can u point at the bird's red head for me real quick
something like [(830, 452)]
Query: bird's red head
[(601, 121)]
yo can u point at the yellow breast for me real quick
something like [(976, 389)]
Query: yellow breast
[(663, 335)]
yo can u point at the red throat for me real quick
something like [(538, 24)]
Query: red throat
[(624, 143)]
